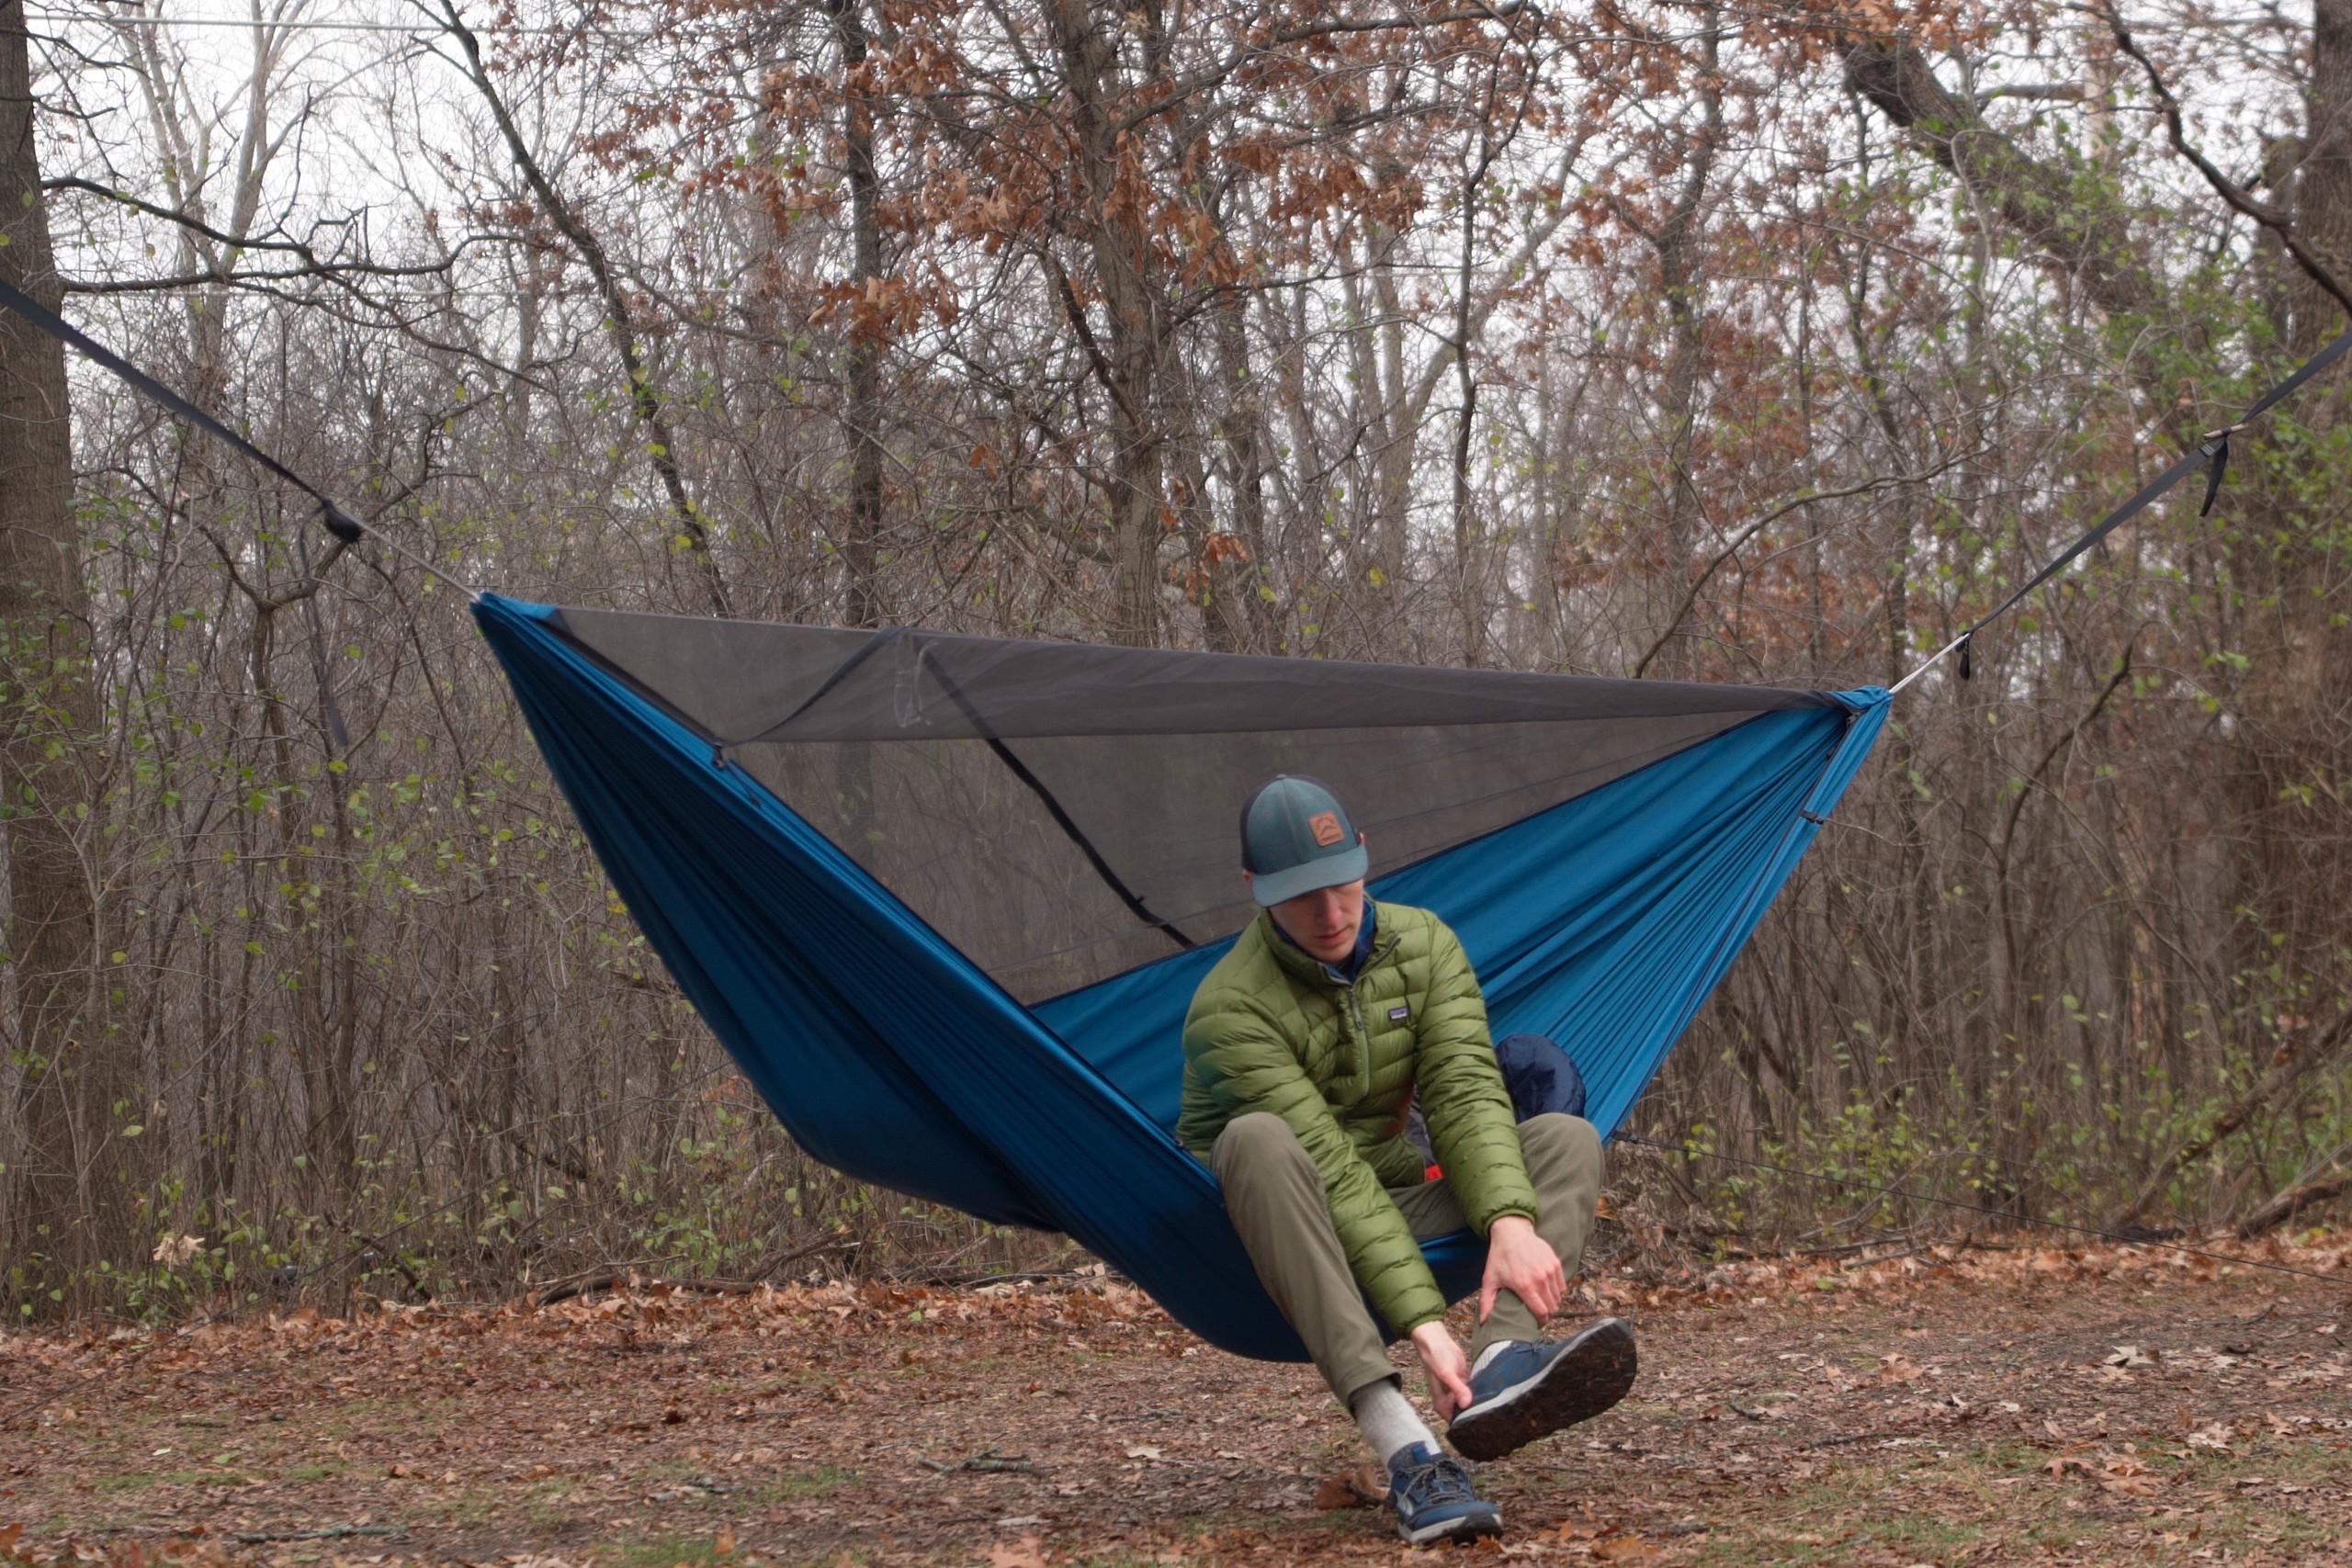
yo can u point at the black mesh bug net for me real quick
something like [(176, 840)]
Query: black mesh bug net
[(1062, 812)]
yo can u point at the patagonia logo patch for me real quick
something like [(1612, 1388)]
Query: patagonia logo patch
[(1399, 1014)]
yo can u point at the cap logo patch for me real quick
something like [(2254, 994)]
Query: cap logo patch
[(1324, 826)]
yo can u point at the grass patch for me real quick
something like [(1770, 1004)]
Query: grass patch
[(795, 1485), (666, 1550), (463, 1505), (317, 1469)]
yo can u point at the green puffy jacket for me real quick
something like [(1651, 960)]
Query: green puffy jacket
[(1270, 1029)]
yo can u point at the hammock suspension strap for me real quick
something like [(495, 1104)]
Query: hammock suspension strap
[(2212, 455)]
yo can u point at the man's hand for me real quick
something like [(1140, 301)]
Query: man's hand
[(1524, 1263), (1448, 1368)]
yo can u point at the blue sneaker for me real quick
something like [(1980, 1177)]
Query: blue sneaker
[(1531, 1388), (1434, 1499)]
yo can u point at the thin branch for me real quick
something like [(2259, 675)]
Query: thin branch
[(1394, 24), (1216, 74), (296, 248), (270, 603), (1879, 481), (661, 445), (2037, 92), (2271, 217), (1085, 330), (2123, 673), (230, 278), (2296, 1198), (2238, 1114)]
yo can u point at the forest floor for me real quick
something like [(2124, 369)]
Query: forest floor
[(2011, 1406)]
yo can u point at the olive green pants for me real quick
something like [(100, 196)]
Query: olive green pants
[(1275, 1196)]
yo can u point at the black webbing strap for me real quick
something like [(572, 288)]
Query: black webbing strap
[(2212, 453), (339, 522)]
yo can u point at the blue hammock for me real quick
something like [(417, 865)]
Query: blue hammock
[(1602, 920)]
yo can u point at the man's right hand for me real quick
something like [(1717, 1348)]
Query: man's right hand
[(1448, 1368)]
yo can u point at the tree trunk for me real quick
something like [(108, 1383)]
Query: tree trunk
[(2278, 616), (863, 549), (1677, 244), (2084, 231), (1113, 219), (69, 1207), (1241, 586), (2284, 568)]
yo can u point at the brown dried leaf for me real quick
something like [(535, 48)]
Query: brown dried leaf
[(1022, 1554), (1366, 1485), (1625, 1549)]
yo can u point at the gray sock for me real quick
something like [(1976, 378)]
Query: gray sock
[(1387, 1419)]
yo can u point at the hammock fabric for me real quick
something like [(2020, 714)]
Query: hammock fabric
[(945, 898)]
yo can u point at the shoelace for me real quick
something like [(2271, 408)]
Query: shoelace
[(1514, 1363), (1441, 1481)]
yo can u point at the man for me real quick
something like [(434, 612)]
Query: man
[(1304, 1050)]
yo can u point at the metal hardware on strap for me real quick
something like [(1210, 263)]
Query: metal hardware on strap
[(334, 518), (2212, 453)]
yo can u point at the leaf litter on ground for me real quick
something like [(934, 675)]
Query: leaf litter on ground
[(1959, 1404)]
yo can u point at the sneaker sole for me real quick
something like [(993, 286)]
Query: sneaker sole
[(1593, 1374), (1476, 1528)]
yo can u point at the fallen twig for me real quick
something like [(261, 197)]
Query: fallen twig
[(598, 1279), (333, 1532), (1838, 1441), (604, 1279), (987, 1462), (959, 1281), (2289, 1204), (708, 1485)]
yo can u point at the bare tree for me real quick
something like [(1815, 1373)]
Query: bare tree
[(76, 1084)]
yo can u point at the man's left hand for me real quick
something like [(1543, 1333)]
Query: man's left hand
[(1524, 1263)]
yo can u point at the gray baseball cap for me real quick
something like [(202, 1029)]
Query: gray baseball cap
[(1297, 838)]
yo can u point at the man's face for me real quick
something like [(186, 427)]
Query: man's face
[(1324, 922)]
